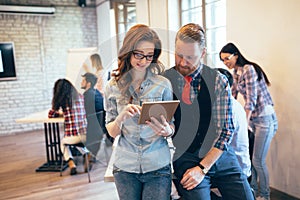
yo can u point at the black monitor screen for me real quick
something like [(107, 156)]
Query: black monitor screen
[(7, 61)]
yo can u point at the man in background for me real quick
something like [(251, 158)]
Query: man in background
[(93, 103), (93, 99)]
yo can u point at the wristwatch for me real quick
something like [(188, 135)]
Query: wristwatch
[(204, 170)]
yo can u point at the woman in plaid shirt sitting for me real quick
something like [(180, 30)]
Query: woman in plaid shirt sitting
[(67, 102)]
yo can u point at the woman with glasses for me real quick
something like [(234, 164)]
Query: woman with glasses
[(142, 156), (252, 83)]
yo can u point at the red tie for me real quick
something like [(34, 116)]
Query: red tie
[(186, 90)]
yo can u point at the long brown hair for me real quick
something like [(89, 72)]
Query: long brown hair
[(136, 34), (64, 94)]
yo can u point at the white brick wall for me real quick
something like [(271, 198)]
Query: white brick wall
[(41, 45)]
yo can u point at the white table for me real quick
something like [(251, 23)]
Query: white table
[(52, 140)]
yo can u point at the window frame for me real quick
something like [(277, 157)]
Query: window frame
[(125, 23), (213, 45)]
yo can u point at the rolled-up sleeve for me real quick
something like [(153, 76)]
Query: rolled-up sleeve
[(52, 113), (222, 113), (250, 78)]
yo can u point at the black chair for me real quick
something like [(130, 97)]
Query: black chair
[(101, 120), (76, 153)]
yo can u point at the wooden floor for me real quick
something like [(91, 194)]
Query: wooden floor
[(22, 153)]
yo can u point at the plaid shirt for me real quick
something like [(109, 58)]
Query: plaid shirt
[(75, 118), (255, 93), (222, 107)]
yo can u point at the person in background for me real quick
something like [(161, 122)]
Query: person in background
[(93, 103), (142, 159), (240, 141), (95, 66), (67, 102), (252, 83), (203, 123), (93, 99)]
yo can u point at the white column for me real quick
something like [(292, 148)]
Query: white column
[(107, 45)]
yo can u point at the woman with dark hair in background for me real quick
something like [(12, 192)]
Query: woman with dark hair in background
[(252, 83), (70, 104), (142, 157)]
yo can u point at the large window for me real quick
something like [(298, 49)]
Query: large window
[(191, 11), (211, 15), (125, 11)]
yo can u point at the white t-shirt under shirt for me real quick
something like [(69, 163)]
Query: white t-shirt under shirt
[(240, 141)]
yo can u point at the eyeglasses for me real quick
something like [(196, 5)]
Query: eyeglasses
[(227, 58), (140, 56)]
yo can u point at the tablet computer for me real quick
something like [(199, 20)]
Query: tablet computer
[(156, 109)]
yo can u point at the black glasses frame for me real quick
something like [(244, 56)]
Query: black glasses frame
[(141, 56)]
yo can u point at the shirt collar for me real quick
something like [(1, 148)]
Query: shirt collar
[(197, 71), (239, 70), (90, 89), (145, 83)]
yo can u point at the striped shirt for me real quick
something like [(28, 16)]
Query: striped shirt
[(75, 118), (254, 92)]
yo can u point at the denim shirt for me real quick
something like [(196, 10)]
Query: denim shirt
[(139, 149)]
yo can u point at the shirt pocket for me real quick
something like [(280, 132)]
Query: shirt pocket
[(150, 99)]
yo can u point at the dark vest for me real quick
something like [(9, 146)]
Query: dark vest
[(192, 122)]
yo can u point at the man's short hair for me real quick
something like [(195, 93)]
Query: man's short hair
[(192, 32), (91, 78)]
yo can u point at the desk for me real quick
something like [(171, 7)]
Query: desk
[(52, 140)]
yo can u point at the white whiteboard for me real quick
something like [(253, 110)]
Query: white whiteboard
[(76, 58), (1, 64)]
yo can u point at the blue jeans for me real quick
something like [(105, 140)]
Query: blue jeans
[(151, 185), (225, 174), (264, 129)]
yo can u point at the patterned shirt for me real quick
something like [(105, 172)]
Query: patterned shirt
[(255, 93), (75, 118), (221, 110)]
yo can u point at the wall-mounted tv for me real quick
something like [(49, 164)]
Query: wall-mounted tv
[(7, 61)]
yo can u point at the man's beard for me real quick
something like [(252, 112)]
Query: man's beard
[(185, 70)]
